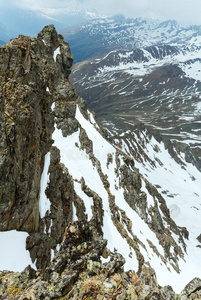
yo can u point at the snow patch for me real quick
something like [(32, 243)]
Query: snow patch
[(88, 201), (14, 256), (56, 52), (44, 202)]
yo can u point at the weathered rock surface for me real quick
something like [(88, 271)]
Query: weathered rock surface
[(77, 272), (27, 75), (31, 80)]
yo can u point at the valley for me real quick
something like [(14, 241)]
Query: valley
[(158, 86)]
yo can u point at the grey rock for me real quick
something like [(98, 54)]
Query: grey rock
[(193, 288)]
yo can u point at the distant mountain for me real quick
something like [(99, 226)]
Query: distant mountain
[(159, 86), (102, 35), (2, 43), (5, 34), (29, 22), (22, 21)]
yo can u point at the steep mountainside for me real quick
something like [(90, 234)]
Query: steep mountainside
[(155, 86), (102, 35), (5, 34), (56, 166)]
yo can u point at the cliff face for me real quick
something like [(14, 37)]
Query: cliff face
[(26, 128), (30, 82), (56, 167), (28, 77)]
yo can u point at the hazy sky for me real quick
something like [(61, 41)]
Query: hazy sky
[(185, 11)]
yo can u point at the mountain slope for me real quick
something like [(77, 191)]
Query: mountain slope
[(57, 167), (2, 43), (5, 34), (177, 180), (158, 86), (133, 213)]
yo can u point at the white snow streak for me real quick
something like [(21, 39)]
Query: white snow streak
[(44, 202), (56, 52)]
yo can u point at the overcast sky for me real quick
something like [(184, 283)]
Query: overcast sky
[(185, 11)]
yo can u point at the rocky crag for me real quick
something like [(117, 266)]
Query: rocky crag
[(90, 180), (77, 272)]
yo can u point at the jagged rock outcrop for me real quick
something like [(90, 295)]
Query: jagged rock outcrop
[(47, 130), (28, 77), (77, 272), (31, 80)]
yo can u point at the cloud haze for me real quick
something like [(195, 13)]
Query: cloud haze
[(184, 11)]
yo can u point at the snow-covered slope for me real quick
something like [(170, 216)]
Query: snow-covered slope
[(134, 217), (14, 255), (101, 171), (178, 182)]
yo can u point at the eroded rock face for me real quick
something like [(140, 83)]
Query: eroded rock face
[(32, 78), (26, 128)]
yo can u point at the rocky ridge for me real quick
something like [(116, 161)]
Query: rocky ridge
[(41, 114), (77, 272)]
